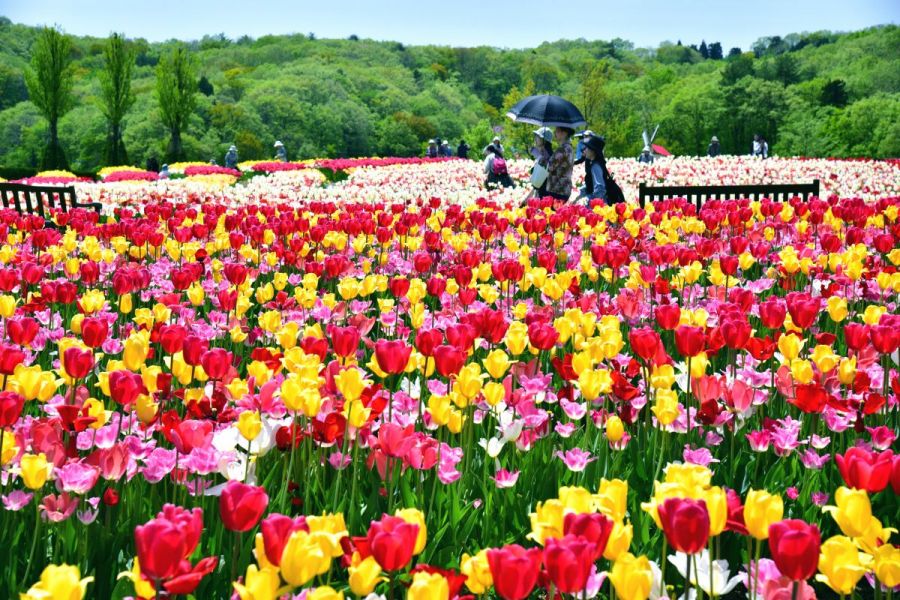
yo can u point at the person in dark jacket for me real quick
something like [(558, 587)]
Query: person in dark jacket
[(153, 164), (462, 151), (432, 150), (713, 148), (594, 169), (231, 157)]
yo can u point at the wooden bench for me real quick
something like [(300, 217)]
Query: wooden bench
[(41, 199), (697, 194)]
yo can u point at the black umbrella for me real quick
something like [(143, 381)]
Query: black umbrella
[(548, 111)]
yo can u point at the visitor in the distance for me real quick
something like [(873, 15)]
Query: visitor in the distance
[(153, 164), (646, 156), (562, 162), (231, 158), (760, 148), (432, 150), (462, 151), (495, 169), (446, 151), (713, 149), (280, 152), (583, 136)]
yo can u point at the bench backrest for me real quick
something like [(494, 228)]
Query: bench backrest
[(38, 199), (698, 194)]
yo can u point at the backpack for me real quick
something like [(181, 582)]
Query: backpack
[(499, 166), (614, 193)]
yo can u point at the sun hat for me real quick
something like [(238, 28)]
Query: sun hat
[(715, 139), (233, 147), (278, 144), (595, 143), (585, 133), (496, 138), (544, 133), (431, 142)]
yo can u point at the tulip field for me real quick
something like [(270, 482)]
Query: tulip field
[(375, 379)]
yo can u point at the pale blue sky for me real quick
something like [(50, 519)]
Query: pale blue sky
[(459, 22)]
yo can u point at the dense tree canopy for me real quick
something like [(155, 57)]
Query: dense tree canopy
[(813, 94)]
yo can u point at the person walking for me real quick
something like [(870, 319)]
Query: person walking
[(713, 149), (542, 151), (432, 150), (462, 151), (280, 152), (231, 158), (594, 187), (561, 164), (495, 169), (583, 137), (760, 148)]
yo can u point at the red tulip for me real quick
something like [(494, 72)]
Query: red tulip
[(392, 355), (736, 332), (11, 405), (171, 338), (10, 358), (645, 342), (865, 470), (685, 523), (461, 335), (77, 362), (241, 506), (795, 548), (344, 340), (542, 335), (427, 340), (569, 561), (236, 273), (399, 287), (596, 527), (804, 309), (187, 578), (689, 341), (514, 570), (160, 548), (276, 531), (772, 313), (125, 387), (94, 331), (216, 363), (392, 541), (193, 348), (668, 315), (189, 434), (449, 360), (856, 335), (22, 331), (885, 338), (810, 398), (895, 474)]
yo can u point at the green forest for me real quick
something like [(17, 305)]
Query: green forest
[(810, 94)]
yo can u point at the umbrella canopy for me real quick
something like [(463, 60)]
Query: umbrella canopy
[(548, 111), (660, 150)]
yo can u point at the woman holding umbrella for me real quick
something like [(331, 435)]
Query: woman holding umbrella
[(552, 111), (562, 162)]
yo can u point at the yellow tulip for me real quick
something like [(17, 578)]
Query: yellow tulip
[(9, 449), (516, 338), (717, 506), (428, 586), (840, 566), (356, 413), (619, 541), (790, 346), (837, 308), (137, 346), (350, 383), (249, 425), (35, 470), (468, 382), (324, 592), (853, 512), (58, 582), (825, 358), (33, 383), (612, 498), (477, 572), (364, 575), (415, 517), (260, 584), (497, 363), (666, 407), (7, 306), (547, 521), (847, 370), (303, 558), (761, 509), (594, 382), (632, 577), (887, 565), (146, 408), (615, 429)]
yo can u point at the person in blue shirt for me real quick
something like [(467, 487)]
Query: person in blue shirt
[(594, 183), (280, 152)]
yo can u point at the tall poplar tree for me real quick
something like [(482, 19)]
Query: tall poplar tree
[(116, 95), (176, 90), (49, 82)]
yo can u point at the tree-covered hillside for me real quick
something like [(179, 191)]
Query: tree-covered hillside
[(819, 94)]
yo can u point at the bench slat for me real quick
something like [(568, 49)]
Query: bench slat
[(752, 191), (62, 198)]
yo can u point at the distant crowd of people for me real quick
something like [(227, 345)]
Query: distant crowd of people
[(230, 162)]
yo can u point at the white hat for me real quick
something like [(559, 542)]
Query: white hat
[(545, 133), (233, 147), (496, 138), (585, 133), (431, 142), (278, 144)]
